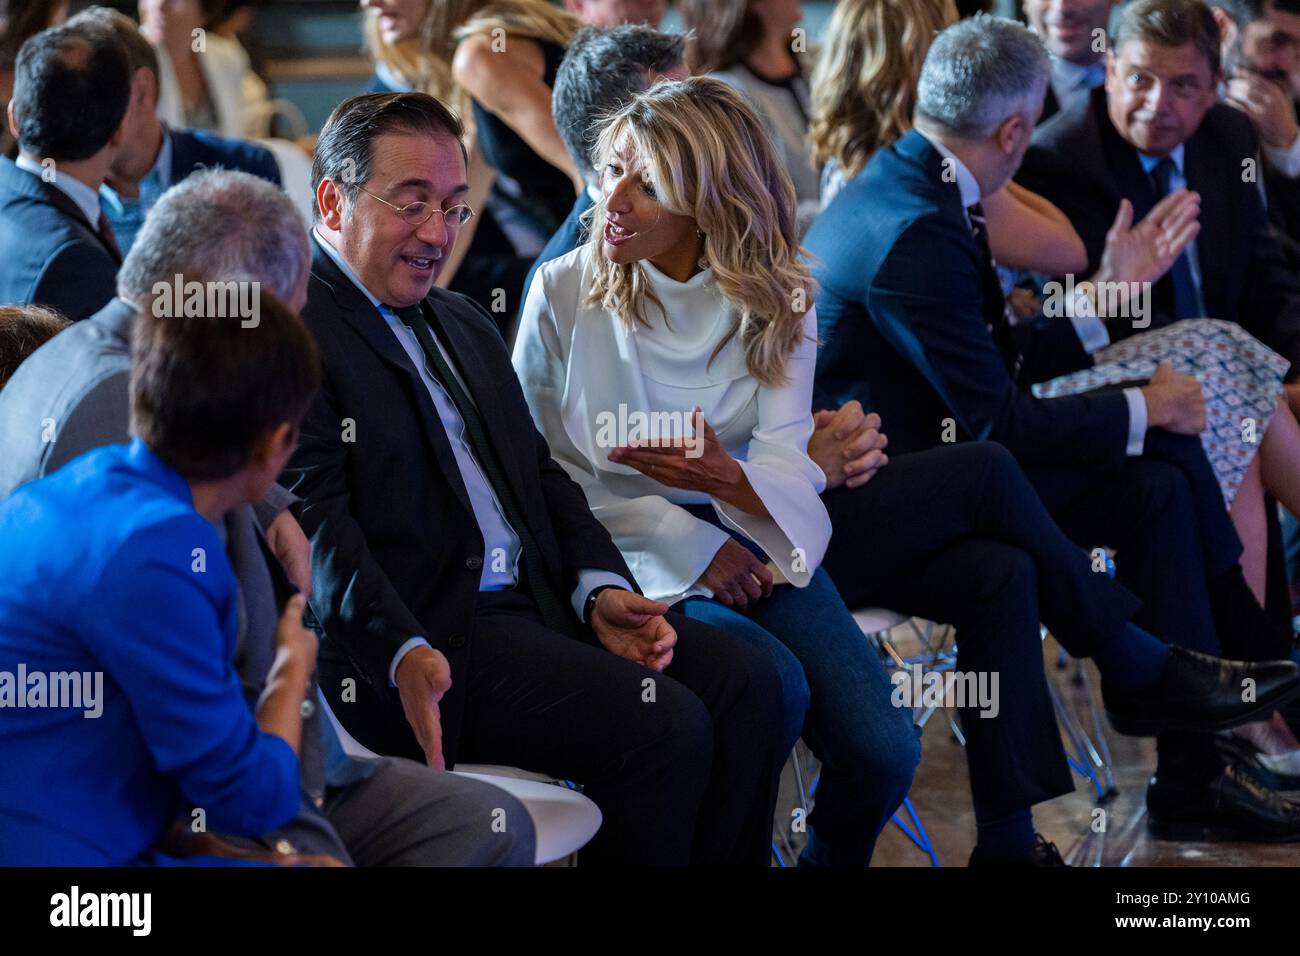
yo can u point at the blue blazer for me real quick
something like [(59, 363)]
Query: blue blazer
[(139, 591), (50, 254), (195, 149), (904, 324)]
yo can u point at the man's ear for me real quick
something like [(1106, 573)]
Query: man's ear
[(1010, 134), (12, 115), (144, 89), (329, 199)]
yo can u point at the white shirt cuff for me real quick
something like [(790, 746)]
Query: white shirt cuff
[(1091, 330), (1285, 161), (1137, 421), (588, 580), (402, 651)]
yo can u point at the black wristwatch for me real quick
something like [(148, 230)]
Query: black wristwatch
[(590, 604)]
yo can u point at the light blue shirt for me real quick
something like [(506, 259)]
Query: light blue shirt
[(500, 543), (1089, 328), (127, 215), (81, 194)]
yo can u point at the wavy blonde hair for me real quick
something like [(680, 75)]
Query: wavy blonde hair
[(864, 83), (424, 60), (709, 157)]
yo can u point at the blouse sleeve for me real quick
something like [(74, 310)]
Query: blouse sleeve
[(788, 482), (666, 547)]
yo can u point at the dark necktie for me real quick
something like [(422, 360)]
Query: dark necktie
[(556, 613), (106, 234), (1187, 300), (995, 303)]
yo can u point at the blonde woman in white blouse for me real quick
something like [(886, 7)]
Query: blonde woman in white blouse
[(690, 296)]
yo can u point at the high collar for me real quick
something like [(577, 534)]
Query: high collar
[(85, 198)]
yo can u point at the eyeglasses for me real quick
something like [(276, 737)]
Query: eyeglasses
[(418, 213)]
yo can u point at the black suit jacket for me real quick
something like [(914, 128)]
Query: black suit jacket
[(396, 550), (904, 323), (50, 254), (1081, 163)]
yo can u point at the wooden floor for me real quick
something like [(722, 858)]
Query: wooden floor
[(941, 796)]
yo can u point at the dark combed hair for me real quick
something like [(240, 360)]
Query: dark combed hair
[(345, 149), (71, 90), (602, 70), (24, 329), (1169, 23), (205, 389)]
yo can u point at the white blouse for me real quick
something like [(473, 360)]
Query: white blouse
[(590, 382)]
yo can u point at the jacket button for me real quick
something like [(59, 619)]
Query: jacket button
[(474, 562), (308, 709), (456, 640)]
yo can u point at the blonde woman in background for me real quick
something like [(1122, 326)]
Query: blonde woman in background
[(863, 94), (690, 294), (493, 62)]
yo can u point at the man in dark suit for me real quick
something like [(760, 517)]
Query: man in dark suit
[(56, 246), (71, 396), (473, 607), (601, 71), (914, 326), (154, 157), (1074, 32), (1158, 127)]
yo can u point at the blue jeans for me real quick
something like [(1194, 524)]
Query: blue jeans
[(869, 748)]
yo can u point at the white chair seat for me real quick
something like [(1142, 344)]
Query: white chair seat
[(876, 620), (565, 820)]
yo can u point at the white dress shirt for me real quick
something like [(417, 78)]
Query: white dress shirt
[(581, 366), (87, 199), (1090, 329), (498, 537)]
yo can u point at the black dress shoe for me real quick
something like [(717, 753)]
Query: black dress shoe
[(1232, 806), (1043, 854), (1197, 692)]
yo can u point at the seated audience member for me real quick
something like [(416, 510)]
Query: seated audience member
[(601, 71), (56, 246), (941, 362), (1157, 128), (387, 812), (20, 19), (730, 530), (413, 44), (24, 329), (754, 46), (1260, 50), (109, 596), (613, 13), (863, 96), (152, 156), (466, 592), (210, 86), (1074, 32)]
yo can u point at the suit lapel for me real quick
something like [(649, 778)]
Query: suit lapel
[(364, 319), (28, 184)]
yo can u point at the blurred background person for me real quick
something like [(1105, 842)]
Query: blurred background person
[(613, 13), (863, 97), (20, 19), (755, 46), (24, 329), (1074, 32)]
